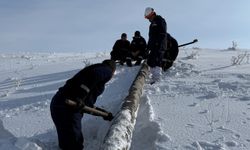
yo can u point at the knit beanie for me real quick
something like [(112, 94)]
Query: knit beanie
[(110, 63)]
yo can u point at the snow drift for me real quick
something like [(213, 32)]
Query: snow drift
[(202, 102)]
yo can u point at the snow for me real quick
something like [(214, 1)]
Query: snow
[(201, 103)]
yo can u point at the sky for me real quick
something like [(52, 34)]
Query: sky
[(95, 25)]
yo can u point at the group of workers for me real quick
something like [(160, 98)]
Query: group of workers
[(79, 94)]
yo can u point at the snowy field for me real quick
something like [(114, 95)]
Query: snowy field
[(202, 102)]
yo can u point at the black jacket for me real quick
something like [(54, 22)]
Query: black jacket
[(157, 42), (121, 45), (138, 44), (120, 50), (93, 78)]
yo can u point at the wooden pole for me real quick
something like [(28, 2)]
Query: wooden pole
[(87, 109), (119, 136)]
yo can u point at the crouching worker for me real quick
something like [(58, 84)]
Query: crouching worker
[(138, 48), (120, 50), (71, 100)]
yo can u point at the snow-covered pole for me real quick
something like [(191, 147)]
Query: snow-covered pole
[(119, 136)]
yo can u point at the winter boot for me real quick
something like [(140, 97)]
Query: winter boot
[(121, 63), (138, 62), (128, 62)]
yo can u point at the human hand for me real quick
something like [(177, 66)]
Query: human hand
[(109, 117)]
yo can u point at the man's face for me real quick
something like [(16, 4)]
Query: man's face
[(124, 38), (150, 19)]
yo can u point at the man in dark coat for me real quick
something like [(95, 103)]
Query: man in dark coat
[(138, 48), (157, 42), (120, 49), (83, 89)]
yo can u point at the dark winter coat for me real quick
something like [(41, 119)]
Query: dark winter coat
[(93, 78), (120, 50), (157, 42), (138, 44), (85, 86)]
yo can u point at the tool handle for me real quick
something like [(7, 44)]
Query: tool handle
[(87, 109)]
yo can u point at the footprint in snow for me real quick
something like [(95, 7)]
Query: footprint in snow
[(236, 136), (203, 112), (190, 125), (5, 93), (200, 145), (231, 143), (193, 105), (244, 99)]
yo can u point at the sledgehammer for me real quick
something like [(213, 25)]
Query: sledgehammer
[(87, 109), (194, 41)]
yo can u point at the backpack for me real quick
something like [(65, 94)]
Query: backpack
[(171, 53)]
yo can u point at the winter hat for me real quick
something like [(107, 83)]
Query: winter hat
[(110, 63), (137, 33), (124, 35), (149, 12)]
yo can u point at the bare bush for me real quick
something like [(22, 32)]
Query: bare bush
[(196, 48), (193, 55), (101, 54), (241, 58), (86, 62), (234, 46)]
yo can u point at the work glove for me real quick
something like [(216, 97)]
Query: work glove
[(109, 117), (79, 104)]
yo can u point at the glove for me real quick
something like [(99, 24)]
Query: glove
[(109, 117), (79, 104)]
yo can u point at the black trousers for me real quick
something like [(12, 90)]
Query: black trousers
[(119, 55), (68, 125)]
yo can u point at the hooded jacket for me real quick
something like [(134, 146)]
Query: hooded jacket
[(86, 85)]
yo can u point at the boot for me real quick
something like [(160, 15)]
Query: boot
[(121, 63), (129, 63), (139, 59), (138, 62)]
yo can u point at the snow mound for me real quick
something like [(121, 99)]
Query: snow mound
[(148, 133)]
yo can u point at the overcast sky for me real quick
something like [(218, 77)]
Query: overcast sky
[(94, 25)]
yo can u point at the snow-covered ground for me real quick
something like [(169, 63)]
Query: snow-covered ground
[(202, 102)]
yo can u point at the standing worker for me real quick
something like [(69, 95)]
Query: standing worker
[(157, 42), (81, 90)]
